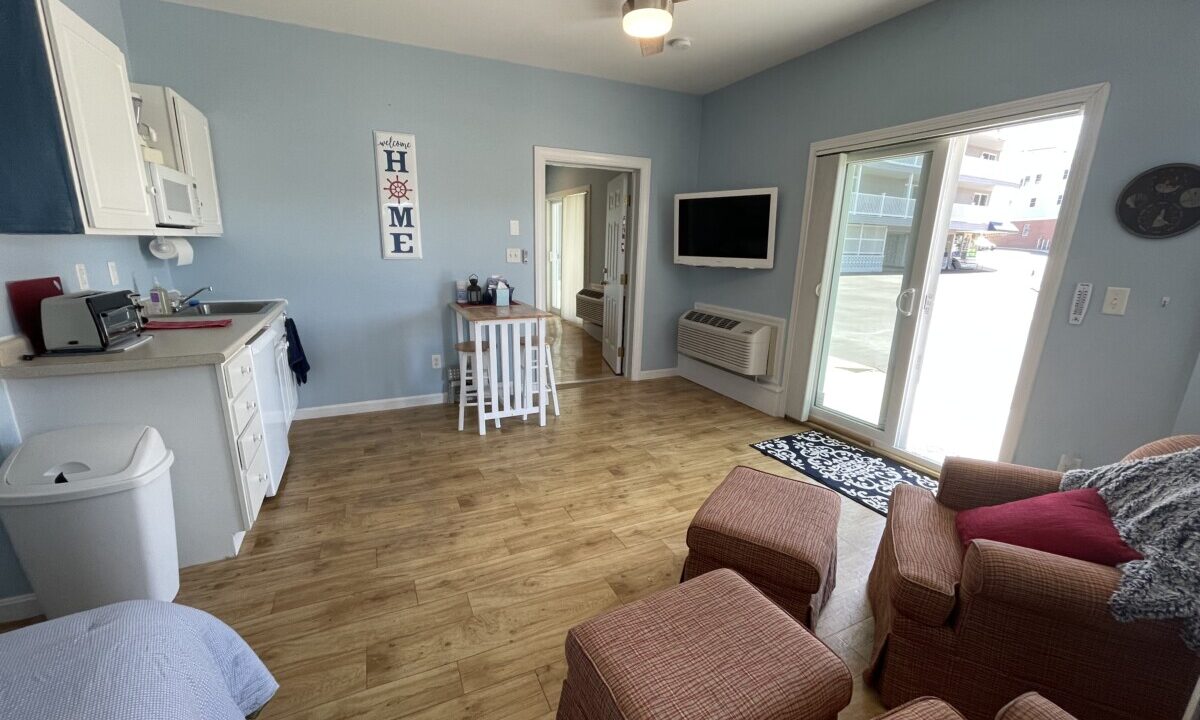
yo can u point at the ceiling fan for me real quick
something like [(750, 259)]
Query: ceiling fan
[(649, 21)]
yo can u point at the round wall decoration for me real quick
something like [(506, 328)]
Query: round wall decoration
[(1162, 202)]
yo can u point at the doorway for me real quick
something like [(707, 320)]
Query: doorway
[(941, 258), (589, 252)]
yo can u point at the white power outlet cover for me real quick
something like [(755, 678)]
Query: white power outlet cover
[(113, 276), (1116, 299), (514, 255), (437, 362), (81, 275), (514, 227)]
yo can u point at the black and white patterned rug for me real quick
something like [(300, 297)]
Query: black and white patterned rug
[(862, 476)]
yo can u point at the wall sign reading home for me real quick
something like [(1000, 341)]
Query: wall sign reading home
[(396, 175)]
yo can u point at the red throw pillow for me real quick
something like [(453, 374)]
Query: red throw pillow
[(1074, 524)]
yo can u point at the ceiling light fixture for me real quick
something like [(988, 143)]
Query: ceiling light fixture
[(647, 18)]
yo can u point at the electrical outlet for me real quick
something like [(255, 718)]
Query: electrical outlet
[(514, 227), (514, 255), (437, 362), (1067, 461), (81, 275), (112, 274)]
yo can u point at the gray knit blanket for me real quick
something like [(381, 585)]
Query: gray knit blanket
[(1155, 505)]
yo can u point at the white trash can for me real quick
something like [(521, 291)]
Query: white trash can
[(90, 515)]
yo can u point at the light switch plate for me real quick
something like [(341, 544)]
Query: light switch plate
[(1115, 301), (113, 276), (514, 228), (513, 255), (81, 275)]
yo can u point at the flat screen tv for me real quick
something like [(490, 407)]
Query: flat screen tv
[(733, 228)]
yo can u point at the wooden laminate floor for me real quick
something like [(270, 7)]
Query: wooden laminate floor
[(407, 570), (577, 355)]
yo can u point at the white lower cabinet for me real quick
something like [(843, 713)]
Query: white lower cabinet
[(210, 416)]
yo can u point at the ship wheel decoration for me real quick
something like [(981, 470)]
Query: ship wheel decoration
[(397, 189)]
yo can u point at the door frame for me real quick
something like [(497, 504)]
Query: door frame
[(639, 168), (797, 396)]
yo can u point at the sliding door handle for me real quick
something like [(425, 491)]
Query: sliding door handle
[(903, 307)]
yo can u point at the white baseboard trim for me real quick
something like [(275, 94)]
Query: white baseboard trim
[(369, 406), (19, 607), (656, 374), (762, 397)]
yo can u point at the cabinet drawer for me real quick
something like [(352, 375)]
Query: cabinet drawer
[(250, 441), (239, 372), (256, 477), (243, 408)]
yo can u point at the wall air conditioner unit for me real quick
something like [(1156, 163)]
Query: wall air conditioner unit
[(589, 306), (738, 345)]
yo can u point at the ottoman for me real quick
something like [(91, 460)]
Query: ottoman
[(778, 533), (710, 648)]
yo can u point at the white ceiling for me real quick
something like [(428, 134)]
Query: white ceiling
[(732, 39)]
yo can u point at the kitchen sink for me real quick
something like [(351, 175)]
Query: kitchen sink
[(228, 307)]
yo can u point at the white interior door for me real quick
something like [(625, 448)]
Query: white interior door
[(616, 233), (99, 109)]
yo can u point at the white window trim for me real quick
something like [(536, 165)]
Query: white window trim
[(1092, 101)]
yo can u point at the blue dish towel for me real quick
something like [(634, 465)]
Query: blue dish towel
[(296, 357), (136, 660)]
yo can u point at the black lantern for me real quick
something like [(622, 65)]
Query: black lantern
[(474, 292)]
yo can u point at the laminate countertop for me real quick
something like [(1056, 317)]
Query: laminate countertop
[(166, 349)]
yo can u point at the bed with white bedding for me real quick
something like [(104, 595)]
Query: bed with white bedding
[(137, 660)]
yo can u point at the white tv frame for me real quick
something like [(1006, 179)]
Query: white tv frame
[(745, 263)]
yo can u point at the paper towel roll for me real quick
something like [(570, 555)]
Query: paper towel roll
[(168, 248), (183, 251)]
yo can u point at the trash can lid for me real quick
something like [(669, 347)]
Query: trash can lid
[(82, 461)]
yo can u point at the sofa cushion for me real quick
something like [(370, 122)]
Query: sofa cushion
[(1073, 523)]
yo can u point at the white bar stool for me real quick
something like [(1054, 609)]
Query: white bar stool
[(539, 384), (470, 382)]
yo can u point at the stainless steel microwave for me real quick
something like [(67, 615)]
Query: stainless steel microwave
[(176, 203)]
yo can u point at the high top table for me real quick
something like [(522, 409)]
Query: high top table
[(511, 393)]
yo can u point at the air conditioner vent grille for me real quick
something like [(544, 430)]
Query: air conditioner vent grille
[(715, 320), (738, 345)]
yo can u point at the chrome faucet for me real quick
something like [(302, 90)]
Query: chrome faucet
[(184, 300)]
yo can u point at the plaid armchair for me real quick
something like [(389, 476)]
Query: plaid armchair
[(1029, 706), (979, 628)]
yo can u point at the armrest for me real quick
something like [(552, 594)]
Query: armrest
[(1070, 590), (1032, 706), (966, 483), (924, 708)]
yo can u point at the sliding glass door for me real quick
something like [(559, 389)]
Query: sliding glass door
[(886, 214)]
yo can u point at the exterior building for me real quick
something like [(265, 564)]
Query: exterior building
[(1034, 208)]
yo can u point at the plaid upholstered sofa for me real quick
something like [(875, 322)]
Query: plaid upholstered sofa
[(1029, 706), (979, 628)]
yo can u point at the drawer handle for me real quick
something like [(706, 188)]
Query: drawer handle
[(251, 405), (246, 370), (257, 438)]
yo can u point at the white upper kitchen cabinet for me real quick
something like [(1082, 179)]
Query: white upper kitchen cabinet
[(93, 84), (182, 135)]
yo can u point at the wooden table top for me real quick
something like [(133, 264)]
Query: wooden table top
[(491, 313)]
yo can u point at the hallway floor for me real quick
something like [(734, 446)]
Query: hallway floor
[(577, 355)]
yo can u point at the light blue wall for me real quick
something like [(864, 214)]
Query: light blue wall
[(292, 111), (28, 256), (1103, 387), (1187, 421)]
